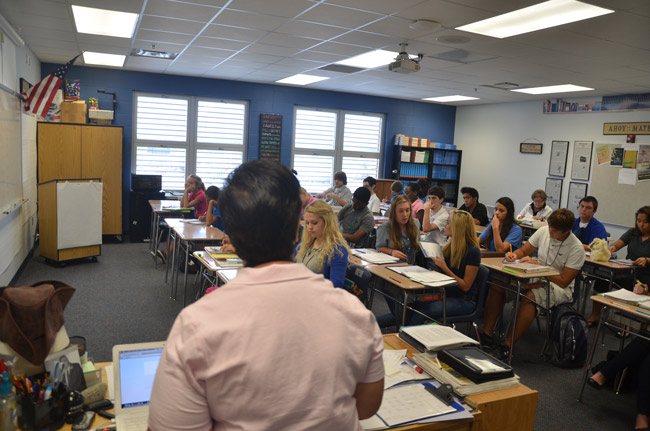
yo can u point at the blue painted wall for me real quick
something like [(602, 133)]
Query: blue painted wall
[(418, 119)]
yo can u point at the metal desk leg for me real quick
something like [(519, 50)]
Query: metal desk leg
[(153, 241), (169, 238), (372, 285), (590, 356), (514, 321), (187, 253), (406, 297), (175, 265), (444, 306)]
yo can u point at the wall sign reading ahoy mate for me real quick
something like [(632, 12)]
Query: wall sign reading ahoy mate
[(626, 128), (270, 136)]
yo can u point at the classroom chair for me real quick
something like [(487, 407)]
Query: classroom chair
[(360, 276), (481, 284)]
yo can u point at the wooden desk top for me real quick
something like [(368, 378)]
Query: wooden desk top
[(206, 260), (510, 408), (397, 279), (164, 205), (496, 263), (479, 229), (194, 232), (622, 306), (609, 264)]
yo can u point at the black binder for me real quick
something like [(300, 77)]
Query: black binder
[(458, 360)]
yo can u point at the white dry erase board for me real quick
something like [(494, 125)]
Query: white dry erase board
[(11, 177)]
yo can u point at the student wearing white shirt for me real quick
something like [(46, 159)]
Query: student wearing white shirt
[(373, 205), (537, 209), (556, 247), (435, 216)]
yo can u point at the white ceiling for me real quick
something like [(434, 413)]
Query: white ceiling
[(266, 40)]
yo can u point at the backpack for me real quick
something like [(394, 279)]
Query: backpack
[(568, 340)]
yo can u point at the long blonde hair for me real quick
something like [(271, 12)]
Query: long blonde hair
[(395, 229), (463, 237), (332, 237)]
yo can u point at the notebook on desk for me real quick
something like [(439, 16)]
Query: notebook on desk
[(134, 371)]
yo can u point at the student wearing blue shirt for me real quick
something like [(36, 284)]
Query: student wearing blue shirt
[(587, 227), (503, 222), (323, 249), (213, 216)]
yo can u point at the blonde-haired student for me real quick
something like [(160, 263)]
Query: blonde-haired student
[(462, 259), (323, 249), (537, 209)]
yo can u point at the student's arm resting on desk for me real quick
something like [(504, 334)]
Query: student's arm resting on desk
[(464, 284), (369, 396), (355, 237), (209, 217), (565, 278), (366, 226)]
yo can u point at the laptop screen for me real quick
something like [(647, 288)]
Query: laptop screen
[(137, 373)]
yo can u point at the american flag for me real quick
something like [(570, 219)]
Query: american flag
[(37, 100)]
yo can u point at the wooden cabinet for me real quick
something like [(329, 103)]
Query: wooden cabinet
[(85, 151)]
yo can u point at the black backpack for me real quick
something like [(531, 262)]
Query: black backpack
[(568, 340)]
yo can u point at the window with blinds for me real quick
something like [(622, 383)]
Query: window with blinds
[(176, 136), (328, 141)]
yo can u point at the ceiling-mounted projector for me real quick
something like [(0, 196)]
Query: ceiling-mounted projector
[(404, 63)]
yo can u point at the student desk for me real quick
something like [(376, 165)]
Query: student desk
[(479, 229), (612, 306), (506, 409), (406, 286), (516, 281), (185, 234), (159, 209), (211, 272), (594, 269)]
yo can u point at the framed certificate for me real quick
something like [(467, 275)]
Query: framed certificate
[(557, 163), (535, 148), (577, 191), (581, 160), (553, 191)]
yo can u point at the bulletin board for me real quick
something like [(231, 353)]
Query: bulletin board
[(617, 203)]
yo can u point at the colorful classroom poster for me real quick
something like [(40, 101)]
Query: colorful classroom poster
[(602, 152), (616, 158), (643, 163), (629, 159)]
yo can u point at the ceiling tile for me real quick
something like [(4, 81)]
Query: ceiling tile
[(132, 6), (340, 49), (448, 14), (261, 58), (208, 52), (283, 8), (381, 6), (339, 16), (320, 56), (260, 48), (179, 10), (371, 40), (213, 42), (164, 36), (233, 33), (279, 39), (310, 29), (394, 26), (249, 20), (150, 22), (158, 46)]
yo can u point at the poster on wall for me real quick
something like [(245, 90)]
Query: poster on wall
[(616, 157), (581, 160), (643, 163), (577, 191), (557, 163), (270, 136), (602, 153), (553, 191)]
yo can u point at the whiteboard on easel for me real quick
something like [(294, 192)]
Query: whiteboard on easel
[(79, 214)]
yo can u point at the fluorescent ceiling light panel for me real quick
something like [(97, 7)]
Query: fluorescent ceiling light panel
[(104, 22), (456, 98), (101, 59), (370, 60), (565, 88), (540, 16), (301, 79)]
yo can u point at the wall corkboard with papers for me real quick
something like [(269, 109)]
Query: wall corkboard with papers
[(618, 202)]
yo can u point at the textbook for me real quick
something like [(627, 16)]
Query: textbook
[(528, 268), (423, 275), (433, 337), (225, 260), (431, 249), (373, 256), (462, 385), (628, 297)]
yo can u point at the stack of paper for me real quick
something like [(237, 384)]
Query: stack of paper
[(461, 384), (431, 249), (227, 260), (406, 156), (529, 268), (629, 297), (434, 337), (373, 256), (423, 275), (419, 156)]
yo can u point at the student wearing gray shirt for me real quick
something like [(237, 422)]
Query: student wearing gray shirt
[(356, 220), (340, 194)]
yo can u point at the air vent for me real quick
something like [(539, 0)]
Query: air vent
[(154, 54), (341, 68), (461, 56), (502, 85)]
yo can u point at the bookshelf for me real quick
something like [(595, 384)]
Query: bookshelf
[(438, 163)]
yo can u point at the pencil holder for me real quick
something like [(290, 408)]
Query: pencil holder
[(35, 416)]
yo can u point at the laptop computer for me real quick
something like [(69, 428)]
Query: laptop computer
[(134, 370), (490, 211)]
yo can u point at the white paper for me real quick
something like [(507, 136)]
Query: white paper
[(627, 176), (393, 360), (435, 337), (409, 403), (581, 160)]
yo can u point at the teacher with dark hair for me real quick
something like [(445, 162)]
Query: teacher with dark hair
[(278, 347)]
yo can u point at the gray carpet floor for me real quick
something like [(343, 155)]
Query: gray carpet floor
[(123, 299)]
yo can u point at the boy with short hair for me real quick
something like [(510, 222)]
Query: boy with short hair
[(587, 227), (373, 204), (473, 206)]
